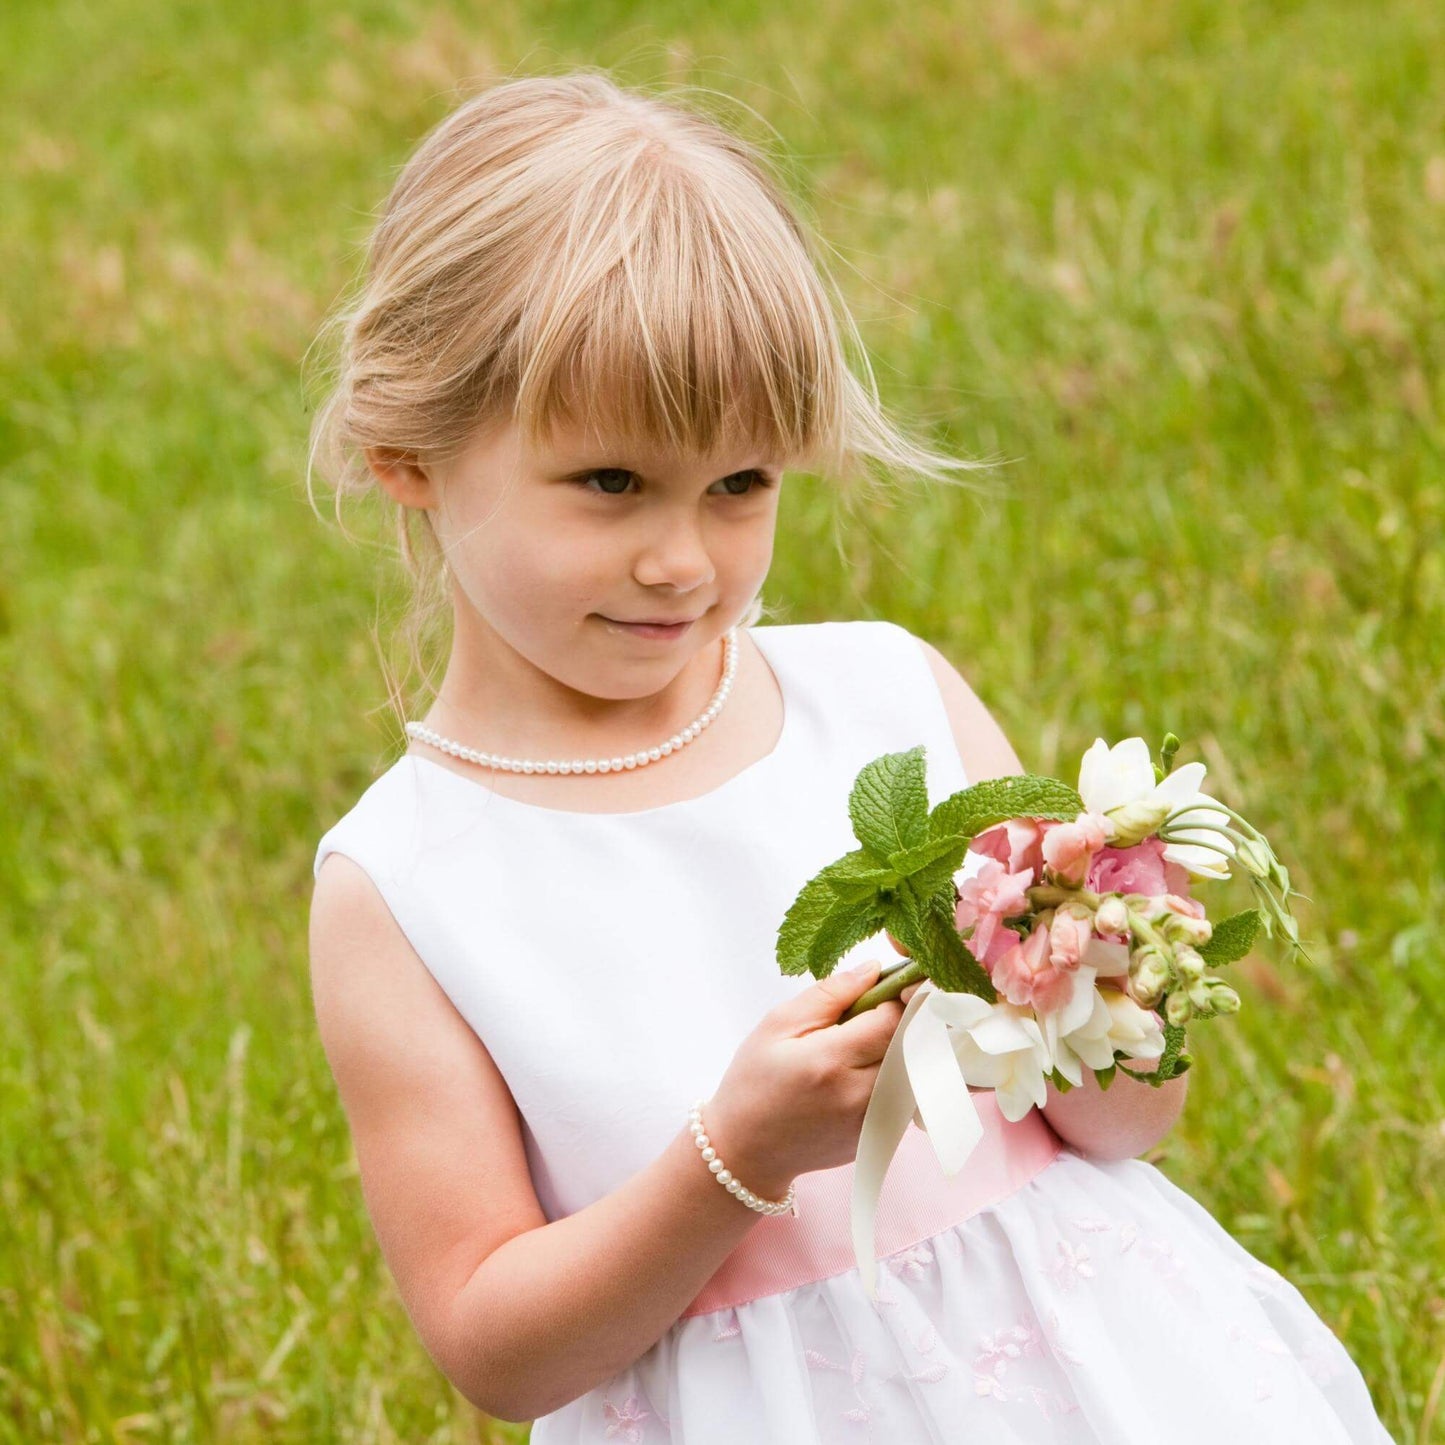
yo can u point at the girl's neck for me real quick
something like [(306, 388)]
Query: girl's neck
[(493, 699)]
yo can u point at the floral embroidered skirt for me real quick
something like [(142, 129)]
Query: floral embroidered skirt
[(1098, 1304)]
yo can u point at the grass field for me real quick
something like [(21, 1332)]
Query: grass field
[(1180, 264)]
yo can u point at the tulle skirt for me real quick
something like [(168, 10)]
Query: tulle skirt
[(1098, 1304)]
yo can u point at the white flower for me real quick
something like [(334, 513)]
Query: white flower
[(1079, 1032), (1107, 959), (1119, 783), (1005, 1051), (1094, 1024), (1135, 1032)]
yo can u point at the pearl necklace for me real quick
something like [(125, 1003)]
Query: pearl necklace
[(675, 743)]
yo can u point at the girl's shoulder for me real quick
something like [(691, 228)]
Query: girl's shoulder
[(839, 636), (374, 830), (847, 650)]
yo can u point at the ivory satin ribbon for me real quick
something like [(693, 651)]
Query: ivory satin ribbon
[(920, 1071)]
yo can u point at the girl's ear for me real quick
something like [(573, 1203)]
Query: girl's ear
[(401, 476)]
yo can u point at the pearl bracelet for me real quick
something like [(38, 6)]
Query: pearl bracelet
[(724, 1175)]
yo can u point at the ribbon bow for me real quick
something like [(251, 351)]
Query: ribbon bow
[(922, 1077)]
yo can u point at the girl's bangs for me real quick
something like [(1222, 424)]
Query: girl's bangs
[(682, 351)]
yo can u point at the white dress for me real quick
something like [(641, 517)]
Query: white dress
[(613, 962)]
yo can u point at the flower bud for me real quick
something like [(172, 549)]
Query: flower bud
[(1178, 1010), (1188, 963), (1183, 928), (1112, 916), (1133, 822), (1224, 999), (1150, 977), (1200, 996), (1255, 856)]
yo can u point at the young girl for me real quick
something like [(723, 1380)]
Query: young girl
[(593, 335)]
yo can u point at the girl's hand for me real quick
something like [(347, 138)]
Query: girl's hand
[(794, 1096)]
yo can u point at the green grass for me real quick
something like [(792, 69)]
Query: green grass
[(1181, 264)]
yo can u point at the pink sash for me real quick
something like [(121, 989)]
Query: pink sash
[(917, 1202)]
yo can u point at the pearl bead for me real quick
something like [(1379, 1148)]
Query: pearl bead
[(724, 1176), (708, 1152)]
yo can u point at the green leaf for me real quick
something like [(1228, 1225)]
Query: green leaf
[(910, 860), (889, 803), (1232, 938), (821, 927), (845, 925), (1172, 1062), (931, 865), (933, 940), (858, 875), (980, 806)]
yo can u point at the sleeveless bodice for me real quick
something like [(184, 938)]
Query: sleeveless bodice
[(613, 962)]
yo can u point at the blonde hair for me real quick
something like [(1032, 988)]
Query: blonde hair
[(560, 242)]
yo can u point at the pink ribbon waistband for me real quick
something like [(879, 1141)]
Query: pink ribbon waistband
[(917, 1201)]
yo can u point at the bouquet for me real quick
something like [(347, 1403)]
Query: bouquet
[(1077, 944)]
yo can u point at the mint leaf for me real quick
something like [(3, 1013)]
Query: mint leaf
[(931, 865), (947, 958), (927, 930), (980, 806), (910, 860), (845, 925), (889, 803), (857, 875), (808, 913), (1232, 938)]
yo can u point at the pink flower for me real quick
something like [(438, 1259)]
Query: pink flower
[(984, 901), (1140, 869), (1069, 936), (1069, 848), (1015, 843), (1025, 974), (1189, 907)]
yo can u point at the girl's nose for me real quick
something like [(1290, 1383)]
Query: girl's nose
[(677, 558)]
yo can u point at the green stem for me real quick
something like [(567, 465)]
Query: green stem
[(1213, 806), (886, 988), (1043, 895), (1190, 843)]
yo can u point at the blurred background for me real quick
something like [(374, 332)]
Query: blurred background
[(1180, 265)]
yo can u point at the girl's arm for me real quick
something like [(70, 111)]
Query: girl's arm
[(1128, 1117), (1118, 1123), (520, 1314)]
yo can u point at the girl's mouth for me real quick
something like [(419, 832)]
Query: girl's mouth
[(648, 629)]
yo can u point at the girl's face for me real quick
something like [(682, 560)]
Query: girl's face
[(550, 549)]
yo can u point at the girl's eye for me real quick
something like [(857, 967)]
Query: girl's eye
[(749, 477), (608, 472), (615, 473)]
